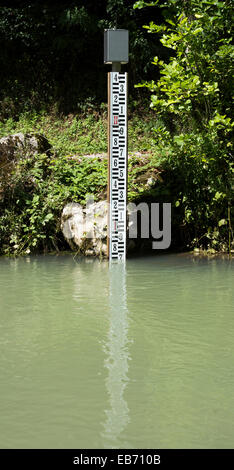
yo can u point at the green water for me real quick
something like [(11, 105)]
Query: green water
[(92, 357)]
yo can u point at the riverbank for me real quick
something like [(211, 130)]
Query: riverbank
[(71, 166), (77, 257)]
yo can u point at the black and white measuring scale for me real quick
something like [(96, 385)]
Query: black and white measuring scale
[(117, 165), (116, 53)]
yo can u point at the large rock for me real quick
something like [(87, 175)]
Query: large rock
[(15, 145), (85, 228)]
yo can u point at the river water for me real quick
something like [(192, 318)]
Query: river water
[(140, 356)]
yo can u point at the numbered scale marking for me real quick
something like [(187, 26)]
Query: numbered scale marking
[(117, 165)]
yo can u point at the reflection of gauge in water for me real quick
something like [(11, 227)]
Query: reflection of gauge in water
[(117, 357)]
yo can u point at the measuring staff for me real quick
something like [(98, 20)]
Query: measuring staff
[(116, 53)]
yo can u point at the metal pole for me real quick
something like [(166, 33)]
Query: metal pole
[(115, 53), (116, 67)]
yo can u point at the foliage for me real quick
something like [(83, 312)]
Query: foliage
[(35, 195), (35, 192), (53, 53), (193, 99), (82, 134), (188, 155)]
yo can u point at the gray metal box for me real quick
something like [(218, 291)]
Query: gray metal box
[(116, 46)]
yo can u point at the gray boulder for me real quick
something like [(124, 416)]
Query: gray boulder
[(12, 146), (85, 228)]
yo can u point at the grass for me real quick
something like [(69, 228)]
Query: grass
[(82, 134)]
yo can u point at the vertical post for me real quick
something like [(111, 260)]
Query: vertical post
[(117, 165), (116, 67), (116, 52), (108, 169)]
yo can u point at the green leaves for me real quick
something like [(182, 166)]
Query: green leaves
[(192, 97), (221, 122), (154, 28), (222, 222), (192, 80), (141, 4)]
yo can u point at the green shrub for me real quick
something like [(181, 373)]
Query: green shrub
[(34, 193), (193, 100)]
